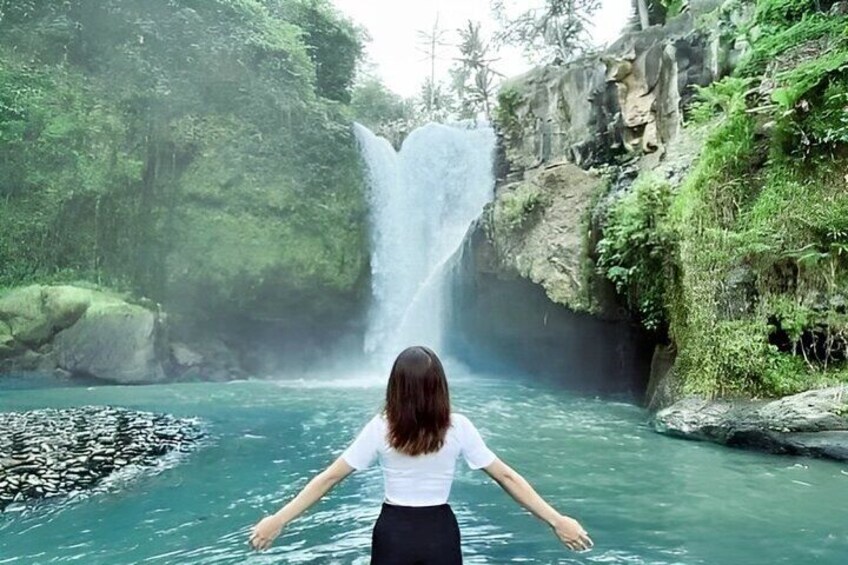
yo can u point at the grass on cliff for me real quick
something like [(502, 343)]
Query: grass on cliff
[(754, 243)]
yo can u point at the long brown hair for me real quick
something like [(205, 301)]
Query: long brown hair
[(417, 402)]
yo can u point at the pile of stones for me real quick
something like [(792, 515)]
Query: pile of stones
[(52, 453)]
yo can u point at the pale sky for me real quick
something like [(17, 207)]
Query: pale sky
[(394, 47)]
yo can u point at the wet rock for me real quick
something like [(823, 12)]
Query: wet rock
[(737, 297), (52, 453), (813, 423), (184, 357), (115, 343), (664, 387), (74, 331)]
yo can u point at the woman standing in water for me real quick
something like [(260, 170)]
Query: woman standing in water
[(418, 440)]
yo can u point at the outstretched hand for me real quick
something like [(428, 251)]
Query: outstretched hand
[(265, 532), (571, 533)]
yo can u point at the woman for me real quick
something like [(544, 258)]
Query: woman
[(418, 441)]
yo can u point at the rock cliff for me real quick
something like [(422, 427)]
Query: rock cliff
[(689, 178), (616, 112)]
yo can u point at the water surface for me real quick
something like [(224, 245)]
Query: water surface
[(645, 499)]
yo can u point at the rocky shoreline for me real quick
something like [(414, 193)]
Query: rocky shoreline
[(47, 454), (811, 424)]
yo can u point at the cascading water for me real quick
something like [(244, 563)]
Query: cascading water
[(423, 199)]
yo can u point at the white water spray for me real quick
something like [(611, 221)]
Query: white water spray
[(423, 199)]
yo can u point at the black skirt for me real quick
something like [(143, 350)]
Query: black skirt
[(407, 535)]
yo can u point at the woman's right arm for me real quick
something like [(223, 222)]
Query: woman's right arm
[(568, 530), (267, 530)]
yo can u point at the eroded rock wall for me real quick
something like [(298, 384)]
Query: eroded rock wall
[(567, 132), (572, 139)]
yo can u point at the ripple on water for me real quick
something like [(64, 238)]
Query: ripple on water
[(645, 498)]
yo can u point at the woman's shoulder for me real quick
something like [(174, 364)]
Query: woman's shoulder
[(379, 419), (460, 420)]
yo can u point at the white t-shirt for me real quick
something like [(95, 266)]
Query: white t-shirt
[(423, 480)]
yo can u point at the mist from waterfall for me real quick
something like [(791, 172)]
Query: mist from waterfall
[(422, 201)]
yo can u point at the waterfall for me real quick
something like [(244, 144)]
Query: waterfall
[(422, 201)]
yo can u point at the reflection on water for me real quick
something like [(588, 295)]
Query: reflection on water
[(645, 499)]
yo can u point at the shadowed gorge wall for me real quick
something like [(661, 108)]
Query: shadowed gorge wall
[(507, 323)]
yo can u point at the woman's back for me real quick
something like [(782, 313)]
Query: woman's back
[(418, 440), (420, 480)]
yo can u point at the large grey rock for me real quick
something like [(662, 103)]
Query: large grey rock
[(628, 98), (813, 423), (545, 244), (32, 315), (115, 342), (82, 331), (23, 312)]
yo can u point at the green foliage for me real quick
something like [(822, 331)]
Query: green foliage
[(807, 76), (375, 106), (333, 42), (636, 249), (756, 280), (778, 37), (552, 31), (123, 123), (473, 75), (506, 113), (829, 123), (815, 106), (783, 12), (673, 8), (514, 209), (720, 98)]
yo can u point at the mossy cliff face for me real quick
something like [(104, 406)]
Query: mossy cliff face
[(719, 222), (755, 237), (197, 153), (563, 133)]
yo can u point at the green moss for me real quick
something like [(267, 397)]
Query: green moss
[(779, 13), (515, 209), (758, 273), (775, 37)]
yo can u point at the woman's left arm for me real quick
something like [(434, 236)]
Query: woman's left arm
[(267, 530)]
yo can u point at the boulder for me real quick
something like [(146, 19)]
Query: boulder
[(813, 423), (115, 342), (81, 331), (34, 314), (22, 310), (8, 345), (185, 357)]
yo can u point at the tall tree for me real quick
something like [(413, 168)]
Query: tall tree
[(557, 31), (642, 10), (436, 104), (431, 42), (473, 78)]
